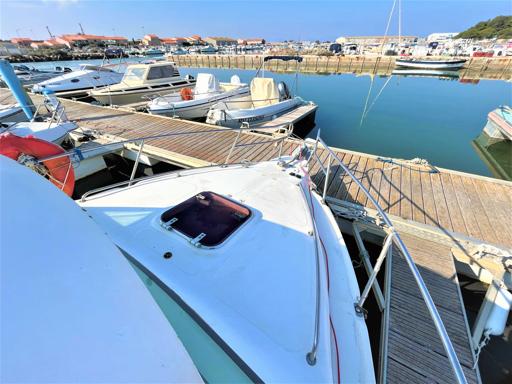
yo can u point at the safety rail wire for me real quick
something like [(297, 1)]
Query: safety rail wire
[(393, 237)]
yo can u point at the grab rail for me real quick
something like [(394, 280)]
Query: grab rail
[(392, 237), (244, 127)]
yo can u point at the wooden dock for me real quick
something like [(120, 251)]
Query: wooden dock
[(441, 214)]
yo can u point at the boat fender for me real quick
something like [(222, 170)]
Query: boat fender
[(284, 92), (187, 94), (28, 150), (497, 320)]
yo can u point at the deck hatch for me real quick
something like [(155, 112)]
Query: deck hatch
[(207, 218)]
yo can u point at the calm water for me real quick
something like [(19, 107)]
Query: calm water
[(412, 117)]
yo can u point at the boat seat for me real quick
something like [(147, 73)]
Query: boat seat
[(264, 92)]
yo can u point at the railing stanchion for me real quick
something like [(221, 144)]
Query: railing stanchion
[(327, 174), (234, 144), (135, 166)]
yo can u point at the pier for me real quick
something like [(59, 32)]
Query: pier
[(489, 68), (450, 221)]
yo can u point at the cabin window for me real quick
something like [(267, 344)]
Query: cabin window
[(134, 74), (75, 80), (207, 218), (161, 72)]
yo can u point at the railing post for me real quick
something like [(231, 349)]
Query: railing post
[(234, 143), (326, 183), (134, 170), (359, 305)]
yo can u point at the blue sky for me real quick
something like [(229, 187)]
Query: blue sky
[(272, 20)]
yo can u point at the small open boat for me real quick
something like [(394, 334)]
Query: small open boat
[(430, 64), (267, 101), (140, 81), (194, 104), (78, 83)]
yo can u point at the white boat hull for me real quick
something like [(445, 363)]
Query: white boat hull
[(132, 95), (431, 64), (234, 118), (192, 109)]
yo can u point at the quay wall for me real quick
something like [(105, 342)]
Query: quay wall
[(496, 68)]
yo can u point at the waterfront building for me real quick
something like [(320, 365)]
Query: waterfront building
[(220, 41), (376, 40), (443, 36), (22, 41), (252, 41), (7, 49), (151, 40), (81, 40)]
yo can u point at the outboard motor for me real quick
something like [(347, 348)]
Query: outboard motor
[(284, 92)]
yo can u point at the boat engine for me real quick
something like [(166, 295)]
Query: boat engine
[(284, 92)]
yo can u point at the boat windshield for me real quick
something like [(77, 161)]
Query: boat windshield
[(134, 74)]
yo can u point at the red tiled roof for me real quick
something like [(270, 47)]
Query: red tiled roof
[(16, 40), (80, 37)]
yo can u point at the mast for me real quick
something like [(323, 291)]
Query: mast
[(399, 24)]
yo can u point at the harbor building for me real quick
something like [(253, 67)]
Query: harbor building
[(151, 40), (253, 41), (376, 40), (441, 36), (22, 41), (220, 41)]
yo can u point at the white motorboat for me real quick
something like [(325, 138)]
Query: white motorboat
[(73, 308), (54, 129), (78, 83), (267, 101), (237, 256), (194, 104), (29, 76), (11, 113), (430, 64), (499, 123), (141, 81)]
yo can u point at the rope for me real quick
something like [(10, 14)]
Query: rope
[(482, 344)]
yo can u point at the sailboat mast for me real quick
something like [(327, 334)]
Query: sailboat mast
[(399, 24)]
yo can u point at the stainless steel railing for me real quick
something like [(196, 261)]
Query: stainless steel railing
[(143, 141), (392, 238)]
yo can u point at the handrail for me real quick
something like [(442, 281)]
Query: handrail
[(393, 236), (142, 140)]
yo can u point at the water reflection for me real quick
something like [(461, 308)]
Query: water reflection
[(496, 154)]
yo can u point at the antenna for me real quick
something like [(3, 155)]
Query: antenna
[(48, 29), (81, 28)]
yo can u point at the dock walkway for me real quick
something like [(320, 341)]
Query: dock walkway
[(454, 209)]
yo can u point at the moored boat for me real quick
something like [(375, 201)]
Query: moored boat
[(499, 123), (195, 103), (140, 81), (430, 64), (78, 83), (81, 314), (267, 101), (243, 251)]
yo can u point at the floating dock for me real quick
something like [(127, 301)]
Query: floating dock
[(449, 221)]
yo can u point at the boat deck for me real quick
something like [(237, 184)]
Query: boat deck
[(443, 210)]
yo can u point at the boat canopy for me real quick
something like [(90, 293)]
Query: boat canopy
[(264, 91), (206, 83), (284, 58)]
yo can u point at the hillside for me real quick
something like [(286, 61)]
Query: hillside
[(500, 27)]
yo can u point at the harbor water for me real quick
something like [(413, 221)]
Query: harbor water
[(404, 117)]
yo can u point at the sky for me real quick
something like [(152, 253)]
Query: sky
[(272, 20)]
